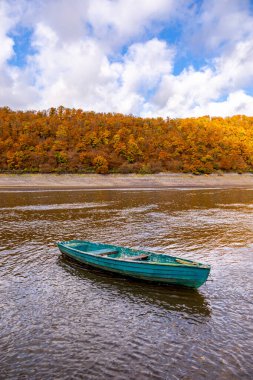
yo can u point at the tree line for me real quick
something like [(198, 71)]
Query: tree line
[(67, 140)]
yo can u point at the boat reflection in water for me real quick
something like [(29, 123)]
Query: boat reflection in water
[(187, 301)]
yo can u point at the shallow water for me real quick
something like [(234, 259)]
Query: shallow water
[(60, 321)]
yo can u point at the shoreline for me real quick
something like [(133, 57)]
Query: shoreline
[(123, 181)]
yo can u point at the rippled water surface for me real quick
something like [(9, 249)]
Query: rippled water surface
[(61, 321)]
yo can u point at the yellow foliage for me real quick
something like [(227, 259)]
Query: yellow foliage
[(72, 140)]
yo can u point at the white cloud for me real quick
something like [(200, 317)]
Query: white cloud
[(6, 50), (236, 103), (219, 25), (197, 92), (64, 73), (14, 88), (79, 74), (79, 60), (235, 68), (112, 22), (119, 21), (139, 71)]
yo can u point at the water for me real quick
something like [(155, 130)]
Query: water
[(59, 321)]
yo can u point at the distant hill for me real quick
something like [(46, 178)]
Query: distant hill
[(71, 140)]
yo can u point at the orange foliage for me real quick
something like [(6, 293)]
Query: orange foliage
[(70, 140)]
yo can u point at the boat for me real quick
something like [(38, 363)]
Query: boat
[(140, 264)]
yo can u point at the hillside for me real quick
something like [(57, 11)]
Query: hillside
[(73, 141)]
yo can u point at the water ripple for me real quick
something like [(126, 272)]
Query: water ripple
[(62, 321)]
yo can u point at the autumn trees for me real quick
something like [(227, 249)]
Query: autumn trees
[(70, 140)]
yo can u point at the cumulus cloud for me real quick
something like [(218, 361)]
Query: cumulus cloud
[(15, 90), (121, 20), (80, 74), (218, 25), (106, 55), (236, 103), (195, 92), (7, 43)]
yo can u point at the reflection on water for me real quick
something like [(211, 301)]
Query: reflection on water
[(189, 302), (60, 320)]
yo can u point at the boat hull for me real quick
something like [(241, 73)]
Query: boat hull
[(162, 273)]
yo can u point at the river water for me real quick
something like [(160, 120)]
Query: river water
[(61, 321)]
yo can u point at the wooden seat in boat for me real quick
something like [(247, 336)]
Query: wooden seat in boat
[(104, 252), (139, 257)]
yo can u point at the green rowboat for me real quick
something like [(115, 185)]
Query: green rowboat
[(139, 264)]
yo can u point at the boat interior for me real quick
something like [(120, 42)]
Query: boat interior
[(127, 254)]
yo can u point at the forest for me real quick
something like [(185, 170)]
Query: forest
[(63, 140)]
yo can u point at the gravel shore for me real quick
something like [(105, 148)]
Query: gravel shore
[(124, 181)]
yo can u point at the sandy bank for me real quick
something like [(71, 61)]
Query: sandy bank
[(116, 181)]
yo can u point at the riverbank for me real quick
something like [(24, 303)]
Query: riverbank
[(123, 181)]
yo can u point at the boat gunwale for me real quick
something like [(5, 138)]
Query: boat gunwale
[(198, 266)]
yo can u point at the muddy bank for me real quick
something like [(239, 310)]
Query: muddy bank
[(114, 181)]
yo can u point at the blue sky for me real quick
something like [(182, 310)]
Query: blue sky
[(169, 58)]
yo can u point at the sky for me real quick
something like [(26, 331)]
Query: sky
[(151, 58)]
